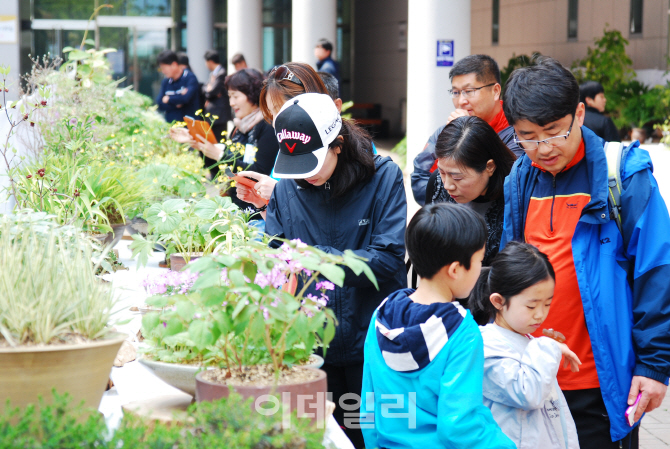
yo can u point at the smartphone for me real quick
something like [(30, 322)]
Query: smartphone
[(630, 411), (245, 181)]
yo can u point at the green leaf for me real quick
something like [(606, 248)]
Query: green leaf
[(149, 322), (199, 332), (236, 277), (77, 55), (174, 326), (185, 309), (223, 322), (206, 209), (333, 273)]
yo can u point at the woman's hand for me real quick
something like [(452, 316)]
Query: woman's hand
[(248, 195), (181, 135), (569, 358), (265, 184), (208, 149)]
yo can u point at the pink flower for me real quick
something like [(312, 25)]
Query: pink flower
[(325, 285)]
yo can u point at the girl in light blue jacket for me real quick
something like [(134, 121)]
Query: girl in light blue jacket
[(520, 385)]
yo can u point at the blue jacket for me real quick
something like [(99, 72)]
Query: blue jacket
[(422, 379), (370, 220), (180, 103), (628, 322)]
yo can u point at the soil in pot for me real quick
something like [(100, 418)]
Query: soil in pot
[(177, 261), (301, 389)]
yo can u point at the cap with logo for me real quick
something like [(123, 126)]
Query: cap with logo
[(305, 126)]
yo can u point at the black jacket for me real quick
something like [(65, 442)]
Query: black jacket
[(600, 124), (370, 220), (217, 97)]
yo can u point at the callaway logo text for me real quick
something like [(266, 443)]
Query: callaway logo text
[(293, 135)]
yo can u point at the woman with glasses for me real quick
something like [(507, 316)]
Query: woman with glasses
[(251, 131), (335, 194), (472, 163)]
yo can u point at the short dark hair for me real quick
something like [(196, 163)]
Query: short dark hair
[(590, 89), (541, 93), (484, 67), (355, 163), (237, 58), (471, 142), (247, 81), (182, 58), (325, 44), (443, 233), (517, 267), (332, 86), (167, 57), (212, 55)]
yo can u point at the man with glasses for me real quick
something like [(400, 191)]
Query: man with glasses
[(476, 90), (612, 296)]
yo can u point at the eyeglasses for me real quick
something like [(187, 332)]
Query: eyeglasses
[(532, 145), (282, 72), (468, 93)]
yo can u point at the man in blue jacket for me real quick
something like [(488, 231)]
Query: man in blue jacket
[(180, 92), (612, 297)]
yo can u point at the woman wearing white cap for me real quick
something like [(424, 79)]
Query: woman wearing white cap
[(335, 194)]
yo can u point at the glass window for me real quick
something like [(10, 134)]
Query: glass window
[(343, 46), (495, 25), (573, 11), (82, 9), (276, 32), (635, 16)]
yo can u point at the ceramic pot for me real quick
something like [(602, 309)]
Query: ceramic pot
[(178, 375), (177, 261), (115, 236), (306, 397), (82, 370)]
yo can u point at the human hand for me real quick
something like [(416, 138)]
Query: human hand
[(181, 135), (265, 184), (569, 358), (165, 99), (457, 113), (208, 149), (653, 393), (248, 195)]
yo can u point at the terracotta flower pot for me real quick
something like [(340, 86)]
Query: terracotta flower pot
[(177, 261), (82, 370), (308, 397)]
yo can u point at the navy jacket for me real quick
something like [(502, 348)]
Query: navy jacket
[(370, 220), (623, 279), (181, 103)]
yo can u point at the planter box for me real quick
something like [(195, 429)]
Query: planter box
[(81, 370)]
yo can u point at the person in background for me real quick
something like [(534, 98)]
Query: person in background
[(335, 194), (179, 92), (333, 88), (612, 295), (472, 163), (424, 356), (475, 90), (325, 62), (592, 94), (239, 62), (216, 96), (184, 64)]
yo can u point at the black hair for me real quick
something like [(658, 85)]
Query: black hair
[(590, 89), (247, 81), (167, 57), (443, 233), (541, 93), (355, 163), (515, 268), (237, 58), (471, 143), (484, 67), (212, 55), (332, 86), (182, 58), (325, 44)]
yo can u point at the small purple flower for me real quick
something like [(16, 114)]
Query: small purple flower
[(73, 121), (164, 324), (325, 285), (197, 316)]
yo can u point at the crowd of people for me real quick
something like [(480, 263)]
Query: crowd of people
[(542, 315)]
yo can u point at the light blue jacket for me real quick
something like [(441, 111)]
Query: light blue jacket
[(628, 323), (422, 379), (521, 390)]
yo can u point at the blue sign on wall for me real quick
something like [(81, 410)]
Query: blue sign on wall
[(445, 53)]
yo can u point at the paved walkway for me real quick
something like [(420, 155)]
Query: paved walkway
[(655, 431)]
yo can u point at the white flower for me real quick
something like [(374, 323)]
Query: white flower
[(220, 212), (162, 214)]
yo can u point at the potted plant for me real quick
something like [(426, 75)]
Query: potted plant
[(643, 109), (189, 229), (256, 317), (54, 315)]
